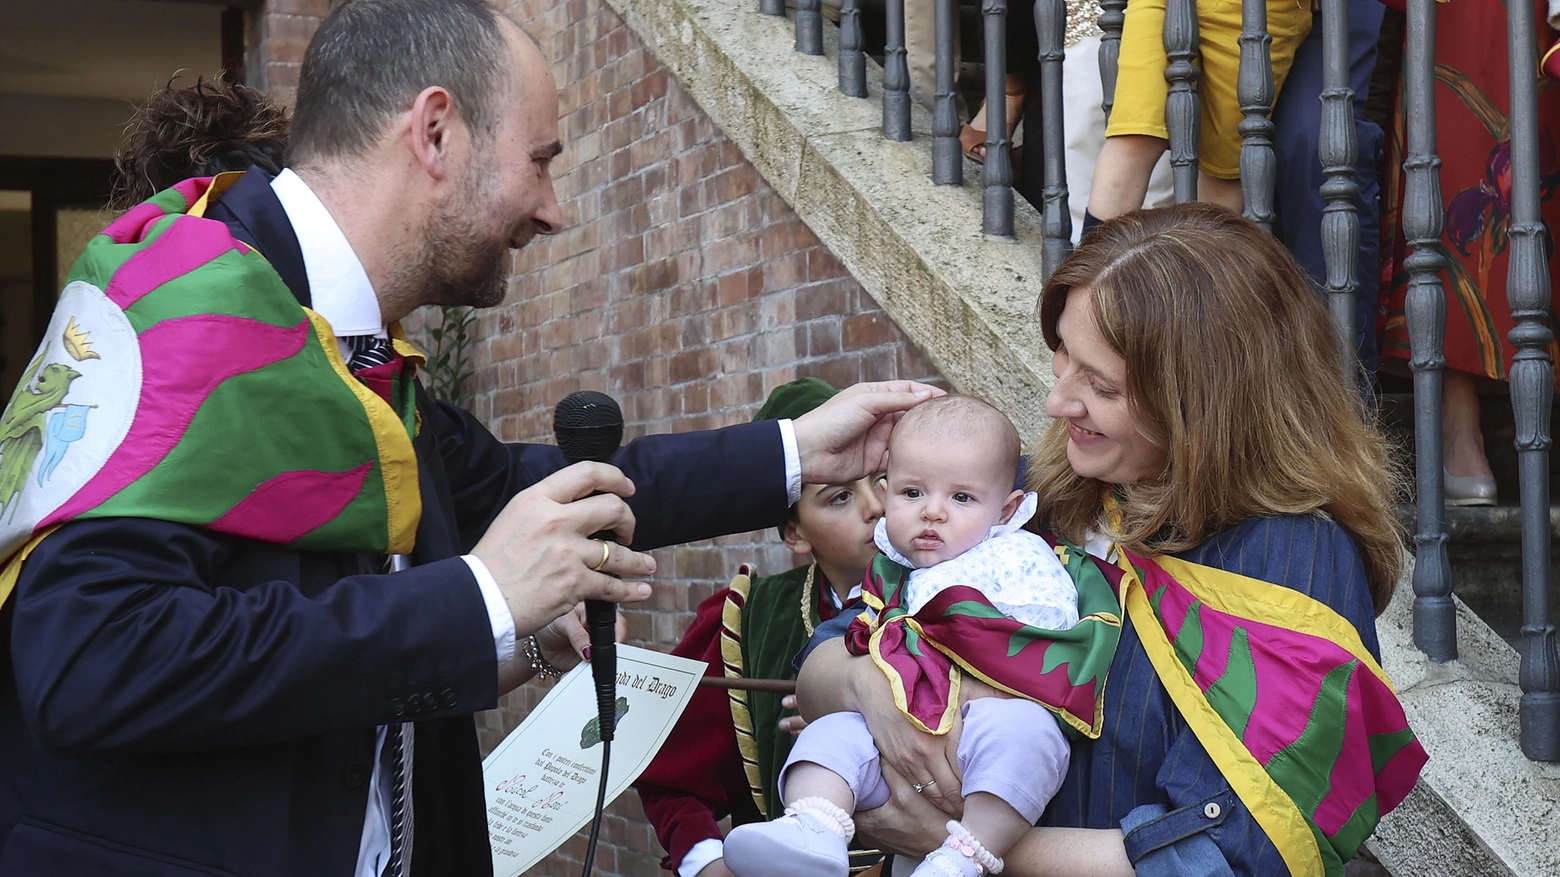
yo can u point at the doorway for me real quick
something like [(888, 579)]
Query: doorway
[(72, 73)]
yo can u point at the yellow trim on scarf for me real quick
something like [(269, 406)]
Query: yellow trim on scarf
[(214, 192), (399, 342), (1270, 806), (397, 459), (731, 659), (897, 683), (12, 570), (1235, 594), (416, 357)]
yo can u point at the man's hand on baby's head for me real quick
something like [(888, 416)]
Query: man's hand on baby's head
[(846, 438)]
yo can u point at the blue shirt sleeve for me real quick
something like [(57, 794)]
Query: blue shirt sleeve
[(832, 629)]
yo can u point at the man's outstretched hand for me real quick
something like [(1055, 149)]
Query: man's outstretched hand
[(846, 438)]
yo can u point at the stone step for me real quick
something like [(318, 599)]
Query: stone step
[(1484, 552)]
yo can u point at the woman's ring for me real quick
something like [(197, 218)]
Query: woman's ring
[(606, 555), (921, 787)]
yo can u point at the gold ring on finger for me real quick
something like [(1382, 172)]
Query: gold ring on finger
[(606, 555)]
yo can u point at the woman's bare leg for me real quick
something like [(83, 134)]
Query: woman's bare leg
[(1462, 441)]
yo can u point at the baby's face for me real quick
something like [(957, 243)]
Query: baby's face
[(944, 495)]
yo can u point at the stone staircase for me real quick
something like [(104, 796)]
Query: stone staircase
[(968, 301)]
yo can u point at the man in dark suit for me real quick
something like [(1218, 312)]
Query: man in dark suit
[(179, 700)]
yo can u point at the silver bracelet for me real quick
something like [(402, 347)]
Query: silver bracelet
[(533, 651)]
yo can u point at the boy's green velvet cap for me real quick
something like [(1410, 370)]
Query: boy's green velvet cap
[(790, 401)]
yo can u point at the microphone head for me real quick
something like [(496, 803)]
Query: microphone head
[(589, 426)]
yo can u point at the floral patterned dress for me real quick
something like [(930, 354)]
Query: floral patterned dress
[(1473, 139)]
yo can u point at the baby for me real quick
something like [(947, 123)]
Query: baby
[(955, 567)]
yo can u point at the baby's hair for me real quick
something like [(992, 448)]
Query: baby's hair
[(963, 417)]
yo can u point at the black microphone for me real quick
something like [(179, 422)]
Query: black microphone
[(589, 427)]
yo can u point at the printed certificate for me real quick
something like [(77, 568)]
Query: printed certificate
[(541, 781)]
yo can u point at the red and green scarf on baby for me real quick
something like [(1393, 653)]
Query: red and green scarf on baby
[(1298, 716), (926, 654), (180, 380)]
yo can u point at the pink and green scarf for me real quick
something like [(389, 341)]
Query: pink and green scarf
[(1297, 714), (180, 380)]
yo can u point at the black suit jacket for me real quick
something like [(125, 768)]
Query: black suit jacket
[(176, 701)]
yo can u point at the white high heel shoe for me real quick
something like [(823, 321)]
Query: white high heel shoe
[(1469, 490)]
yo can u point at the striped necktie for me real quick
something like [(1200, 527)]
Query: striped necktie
[(368, 351), (398, 740)]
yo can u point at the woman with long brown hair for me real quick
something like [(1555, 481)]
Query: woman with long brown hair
[(1207, 451)]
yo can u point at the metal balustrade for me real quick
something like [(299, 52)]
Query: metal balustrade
[(1338, 150), (853, 56), (1532, 395), (1435, 614), (1056, 219), (997, 170), (1183, 108), (1254, 90), (947, 157), (1528, 286)]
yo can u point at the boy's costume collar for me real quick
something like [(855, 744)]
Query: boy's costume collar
[(1026, 510)]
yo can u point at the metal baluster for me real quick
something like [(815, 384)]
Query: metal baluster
[(1435, 615), (997, 172), (947, 157), (853, 60), (1254, 90), (771, 7), (1338, 150), (1182, 115), (896, 75), (809, 27), (1113, 14), (1532, 395), (1056, 219)]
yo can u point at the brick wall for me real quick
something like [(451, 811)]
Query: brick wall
[(278, 33), (683, 286)]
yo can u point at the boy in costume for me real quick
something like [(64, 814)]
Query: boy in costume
[(723, 755), (958, 588)]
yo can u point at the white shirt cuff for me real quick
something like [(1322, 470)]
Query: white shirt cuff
[(793, 465), (498, 611), (705, 851)]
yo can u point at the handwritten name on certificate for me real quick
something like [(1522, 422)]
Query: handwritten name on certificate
[(542, 780)]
